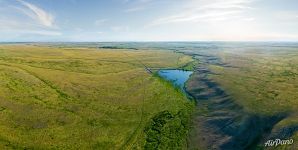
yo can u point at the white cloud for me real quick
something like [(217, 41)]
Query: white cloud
[(38, 14), (15, 21), (206, 11)]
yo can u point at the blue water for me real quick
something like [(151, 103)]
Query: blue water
[(177, 77)]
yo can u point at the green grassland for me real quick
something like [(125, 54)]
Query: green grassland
[(269, 80), (263, 81), (88, 98)]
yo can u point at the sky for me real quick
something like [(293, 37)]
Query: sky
[(148, 20)]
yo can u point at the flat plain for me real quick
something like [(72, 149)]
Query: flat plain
[(86, 96), (74, 97)]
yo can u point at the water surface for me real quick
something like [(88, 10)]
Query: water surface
[(177, 77)]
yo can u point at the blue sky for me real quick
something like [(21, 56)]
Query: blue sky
[(148, 20)]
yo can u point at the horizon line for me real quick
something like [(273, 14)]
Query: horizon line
[(151, 41)]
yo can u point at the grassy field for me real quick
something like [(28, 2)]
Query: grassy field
[(268, 80), (264, 80), (89, 98)]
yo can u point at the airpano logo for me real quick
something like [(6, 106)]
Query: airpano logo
[(278, 142)]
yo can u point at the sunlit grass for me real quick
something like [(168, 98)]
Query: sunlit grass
[(264, 83), (82, 98)]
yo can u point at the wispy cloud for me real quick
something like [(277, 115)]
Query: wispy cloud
[(286, 15), (100, 22), (206, 11), (137, 5), (120, 28), (44, 32), (33, 32), (134, 9), (11, 24), (38, 14), (22, 19)]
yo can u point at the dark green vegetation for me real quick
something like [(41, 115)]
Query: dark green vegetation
[(168, 130), (77, 97)]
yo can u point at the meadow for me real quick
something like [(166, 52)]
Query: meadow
[(247, 94), (265, 81), (72, 97), (103, 96)]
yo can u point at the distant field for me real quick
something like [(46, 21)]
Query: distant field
[(265, 81), (254, 90), (89, 98)]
